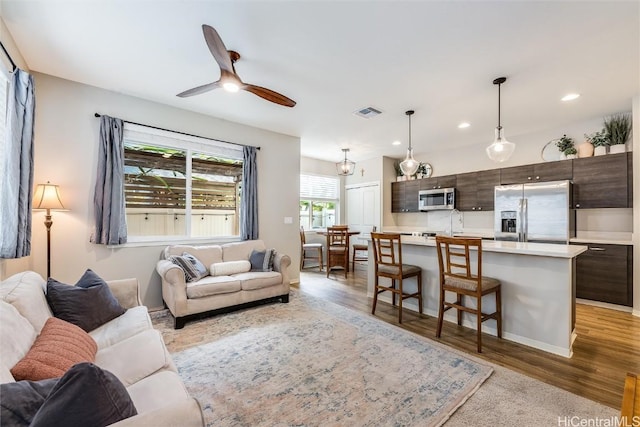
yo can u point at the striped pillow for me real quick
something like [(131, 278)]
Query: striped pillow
[(194, 270), (262, 260)]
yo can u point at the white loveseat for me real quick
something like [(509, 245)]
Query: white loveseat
[(128, 347), (217, 293)]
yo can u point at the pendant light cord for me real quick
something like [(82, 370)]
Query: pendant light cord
[(499, 97), (409, 131)]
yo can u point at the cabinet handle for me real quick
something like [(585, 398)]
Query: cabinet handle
[(577, 205), (529, 178), (537, 177), (479, 208), (473, 208), (596, 249)]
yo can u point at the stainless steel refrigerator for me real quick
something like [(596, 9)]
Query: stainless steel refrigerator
[(536, 212)]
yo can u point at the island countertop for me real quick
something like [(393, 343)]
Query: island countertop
[(518, 248)]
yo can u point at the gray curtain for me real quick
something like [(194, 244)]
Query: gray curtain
[(249, 197), (16, 183), (108, 199)]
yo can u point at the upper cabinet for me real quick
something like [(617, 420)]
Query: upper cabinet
[(539, 172), (475, 190), (404, 196), (602, 182), (446, 181)]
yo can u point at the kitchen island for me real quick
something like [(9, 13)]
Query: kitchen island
[(538, 289)]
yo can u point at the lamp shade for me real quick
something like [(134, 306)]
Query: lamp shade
[(501, 149), (47, 196), (345, 167)]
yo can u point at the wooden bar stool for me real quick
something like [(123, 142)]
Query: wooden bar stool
[(358, 255), (458, 276), (304, 247), (387, 252)]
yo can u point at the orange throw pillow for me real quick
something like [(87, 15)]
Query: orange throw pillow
[(59, 346)]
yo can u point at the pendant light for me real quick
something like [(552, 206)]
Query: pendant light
[(501, 149), (409, 165), (345, 167)]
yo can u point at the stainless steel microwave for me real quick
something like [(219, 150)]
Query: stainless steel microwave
[(437, 199)]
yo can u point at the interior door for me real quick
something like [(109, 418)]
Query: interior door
[(363, 209)]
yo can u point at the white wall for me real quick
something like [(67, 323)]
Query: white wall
[(66, 147)]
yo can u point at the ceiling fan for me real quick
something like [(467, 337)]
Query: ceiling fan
[(229, 80)]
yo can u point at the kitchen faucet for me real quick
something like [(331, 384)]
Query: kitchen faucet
[(451, 220)]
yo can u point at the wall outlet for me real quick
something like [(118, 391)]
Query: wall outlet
[(288, 220)]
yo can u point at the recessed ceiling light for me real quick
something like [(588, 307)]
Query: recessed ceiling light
[(396, 143), (463, 125), (570, 96)]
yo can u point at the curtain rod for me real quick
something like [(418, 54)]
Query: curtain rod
[(13, 64), (183, 133)]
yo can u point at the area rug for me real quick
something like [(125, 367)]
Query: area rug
[(315, 363)]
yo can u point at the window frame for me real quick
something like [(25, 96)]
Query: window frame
[(315, 199), (138, 134)]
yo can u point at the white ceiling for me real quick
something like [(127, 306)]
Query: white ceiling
[(334, 57)]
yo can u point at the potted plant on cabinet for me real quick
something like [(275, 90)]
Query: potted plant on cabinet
[(399, 174), (618, 129), (571, 153), (599, 140), (566, 146)]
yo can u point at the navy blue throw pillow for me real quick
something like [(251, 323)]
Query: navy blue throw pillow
[(89, 304)]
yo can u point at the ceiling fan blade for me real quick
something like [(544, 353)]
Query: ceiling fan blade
[(269, 95), (200, 89), (217, 48)]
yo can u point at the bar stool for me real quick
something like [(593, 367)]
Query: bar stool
[(458, 276), (304, 247), (387, 252), (358, 255)]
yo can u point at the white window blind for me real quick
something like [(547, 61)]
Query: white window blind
[(319, 187)]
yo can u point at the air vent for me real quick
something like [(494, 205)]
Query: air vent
[(367, 112)]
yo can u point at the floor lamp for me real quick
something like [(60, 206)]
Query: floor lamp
[(47, 196)]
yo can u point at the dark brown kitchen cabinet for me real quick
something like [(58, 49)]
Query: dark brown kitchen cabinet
[(475, 190), (602, 181), (404, 196), (538, 172), (605, 273), (446, 181)]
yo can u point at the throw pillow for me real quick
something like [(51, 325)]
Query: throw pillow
[(22, 399), (229, 267), (59, 346), (89, 304), (193, 271), (85, 396), (262, 260)]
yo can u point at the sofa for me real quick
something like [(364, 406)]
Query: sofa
[(230, 282), (127, 347)]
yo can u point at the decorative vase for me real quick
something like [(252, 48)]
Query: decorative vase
[(585, 149), (563, 156), (571, 156), (617, 148), (399, 178), (600, 150)]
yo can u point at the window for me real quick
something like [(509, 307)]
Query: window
[(178, 185), (319, 197)]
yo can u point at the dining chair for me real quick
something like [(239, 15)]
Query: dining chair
[(387, 251), (311, 247), (460, 264), (337, 249)]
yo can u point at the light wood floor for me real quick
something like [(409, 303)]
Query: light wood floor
[(607, 347)]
